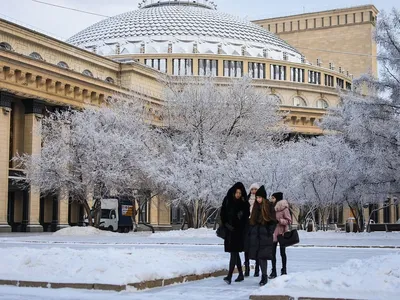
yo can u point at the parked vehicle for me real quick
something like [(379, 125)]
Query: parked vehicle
[(116, 215)]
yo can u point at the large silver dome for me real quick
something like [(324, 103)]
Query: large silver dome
[(181, 27)]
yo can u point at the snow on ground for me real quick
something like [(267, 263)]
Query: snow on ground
[(81, 235), (107, 265), (375, 278), (83, 231)]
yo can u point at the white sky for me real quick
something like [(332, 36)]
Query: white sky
[(63, 23)]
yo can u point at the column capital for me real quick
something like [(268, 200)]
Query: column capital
[(5, 99), (33, 106)]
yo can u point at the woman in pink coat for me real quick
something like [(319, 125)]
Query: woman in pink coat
[(284, 219)]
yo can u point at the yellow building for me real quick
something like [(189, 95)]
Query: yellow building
[(126, 54)]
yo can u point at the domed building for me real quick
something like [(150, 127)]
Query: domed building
[(126, 54)]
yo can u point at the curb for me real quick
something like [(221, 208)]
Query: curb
[(114, 287), (277, 297)]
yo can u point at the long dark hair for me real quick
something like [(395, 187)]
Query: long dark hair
[(265, 216)]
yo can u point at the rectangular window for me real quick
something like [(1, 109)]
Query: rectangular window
[(338, 20), (257, 70), (306, 24), (276, 28), (348, 86), (329, 80), (340, 82), (354, 18), (278, 72), (330, 21), (322, 22), (386, 215), (269, 27), (298, 25), (362, 17), (158, 64), (233, 68), (208, 67), (296, 75), (345, 19), (182, 67), (314, 77), (315, 23), (284, 27), (291, 26)]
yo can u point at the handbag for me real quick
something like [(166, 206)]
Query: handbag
[(289, 238), (221, 232)]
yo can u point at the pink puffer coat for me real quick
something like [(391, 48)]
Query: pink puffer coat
[(283, 217)]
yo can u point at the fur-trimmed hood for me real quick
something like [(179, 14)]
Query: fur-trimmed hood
[(281, 205)]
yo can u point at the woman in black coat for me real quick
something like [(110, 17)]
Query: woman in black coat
[(261, 232), (234, 216)]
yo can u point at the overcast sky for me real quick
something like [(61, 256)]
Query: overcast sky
[(63, 23)]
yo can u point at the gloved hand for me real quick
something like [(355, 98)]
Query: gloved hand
[(229, 226), (240, 215)]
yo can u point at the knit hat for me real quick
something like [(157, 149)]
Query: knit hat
[(254, 186), (261, 192), (278, 196)]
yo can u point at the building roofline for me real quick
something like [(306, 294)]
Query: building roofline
[(63, 43), (331, 11)]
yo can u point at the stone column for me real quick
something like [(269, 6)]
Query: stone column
[(5, 116), (63, 210), (32, 146)]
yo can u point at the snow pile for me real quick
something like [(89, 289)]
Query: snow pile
[(189, 233), (375, 278), (83, 231), (107, 265)]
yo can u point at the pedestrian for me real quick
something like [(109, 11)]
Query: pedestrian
[(261, 233), (234, 216), (251, 198), (283, 218)]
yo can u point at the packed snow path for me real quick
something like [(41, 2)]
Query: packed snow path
[(300, 259)]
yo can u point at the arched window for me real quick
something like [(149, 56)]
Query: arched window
[(298, 101), (63, 65), (110, 80), (275, 98), (87, 73), (321, 103), (36, 55), (5, 46)]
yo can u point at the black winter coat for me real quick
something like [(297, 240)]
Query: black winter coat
[(260, 239), (235, 215)]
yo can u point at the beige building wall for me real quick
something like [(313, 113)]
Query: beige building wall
[(331, 36)]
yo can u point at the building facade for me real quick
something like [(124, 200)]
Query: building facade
[(40, 74)]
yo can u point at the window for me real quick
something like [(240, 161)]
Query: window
[(386, 215), (269, 27), (63, 65), (276, 28), (338, 20), (315, 23), (5, 46), (298, 101), (278, 72), (345, 19), (314, 77), (298, 25), (110, 80), (348, 86), (284, 27), (306, 24), (321, 103), (208, 67), (330, 21), (322, 22), (35, 55), (291, 26), (362, 17), (329, 80), (354, 18), (296, 75), (340, 82), (158, 64), (257, 70), (233, 68), (87, 73), (182, 67)]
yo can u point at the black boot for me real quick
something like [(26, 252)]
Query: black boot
[(246, 269), (283, 271), (273, 274), (228, 279), (264, 280), (257, 269), (240, 278)]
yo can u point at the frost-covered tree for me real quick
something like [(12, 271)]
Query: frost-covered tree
[(208, 126), (94, 151)]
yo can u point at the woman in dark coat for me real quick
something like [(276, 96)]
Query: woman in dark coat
[(234, 216), (261, 233)]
